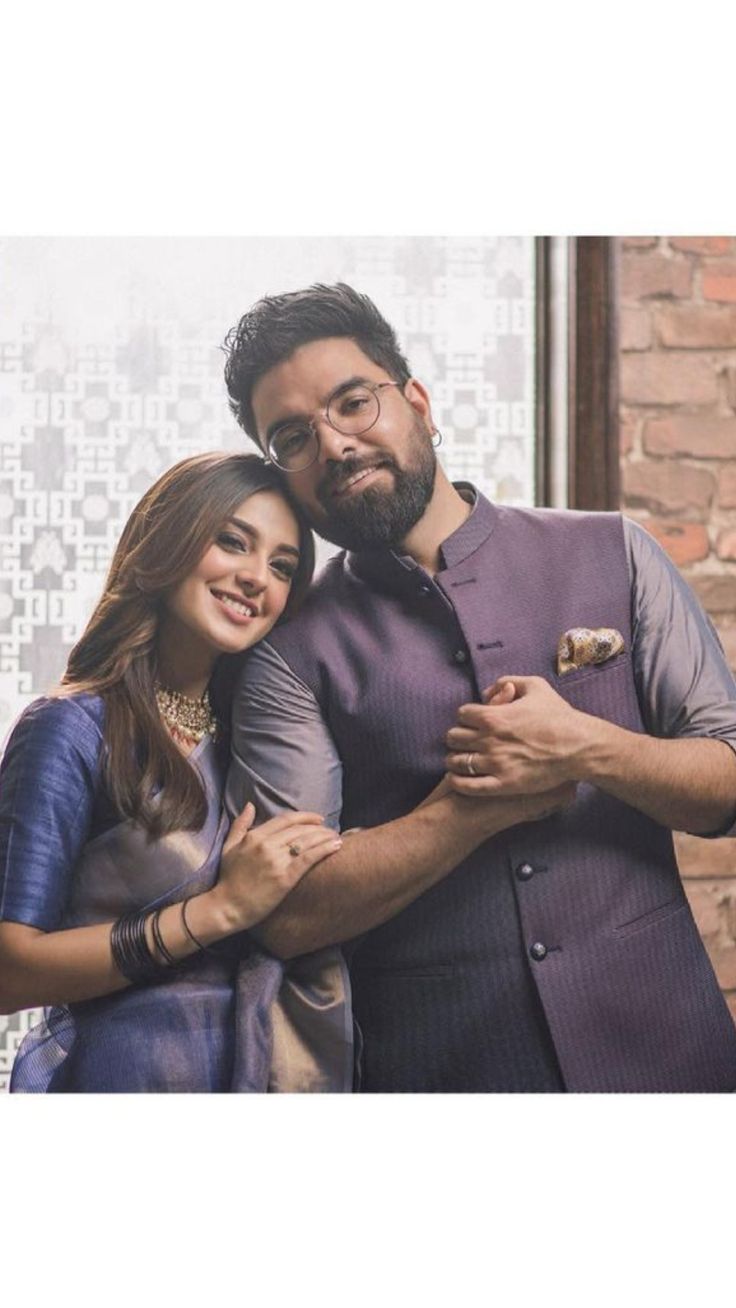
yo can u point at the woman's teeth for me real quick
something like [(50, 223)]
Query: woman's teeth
[(233, 604)]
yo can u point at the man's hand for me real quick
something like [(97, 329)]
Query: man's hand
[(492, 814), (523, 739)]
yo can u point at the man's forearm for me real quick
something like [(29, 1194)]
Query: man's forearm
[(688, 784), (381, 870)]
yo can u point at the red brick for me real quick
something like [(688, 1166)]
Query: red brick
[(700, 436), (685, 542), (727, 487), (645, 275), (719, 282), (714, 907), (705, 858), (639, 242), (635, 329), (717, 594), (709, 901), (667, 379), (723, 958), (697, 326), (726, 544), (628, 427), (731, 388), (702, 244), (668, 487)]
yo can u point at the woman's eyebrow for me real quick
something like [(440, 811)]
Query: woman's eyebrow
[(253, 531)]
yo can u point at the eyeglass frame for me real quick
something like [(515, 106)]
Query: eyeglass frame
[(374, 387)]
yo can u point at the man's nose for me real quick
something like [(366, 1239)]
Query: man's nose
[(333, 444)]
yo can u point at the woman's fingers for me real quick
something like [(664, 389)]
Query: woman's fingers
[(283, 824), (314, 853), (298, 837), (286, 820), (240, 826)]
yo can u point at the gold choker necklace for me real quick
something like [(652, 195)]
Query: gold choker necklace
[(187, 719)]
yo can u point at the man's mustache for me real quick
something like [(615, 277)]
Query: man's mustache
[(335, 479)]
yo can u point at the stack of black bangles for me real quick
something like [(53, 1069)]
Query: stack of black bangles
[(131, 952)]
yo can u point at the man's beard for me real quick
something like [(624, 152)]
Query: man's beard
[(376, 517)]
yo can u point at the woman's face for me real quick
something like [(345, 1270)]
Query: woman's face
[(241, 584)]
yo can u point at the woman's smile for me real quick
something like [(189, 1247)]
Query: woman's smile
[(237, 608)]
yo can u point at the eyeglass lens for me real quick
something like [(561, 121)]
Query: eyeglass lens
[(295, 446)]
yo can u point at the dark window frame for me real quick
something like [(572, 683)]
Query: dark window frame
[(592, 373)]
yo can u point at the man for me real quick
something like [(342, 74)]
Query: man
[(561, 954)]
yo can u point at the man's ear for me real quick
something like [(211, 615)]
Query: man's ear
[(418, 397)]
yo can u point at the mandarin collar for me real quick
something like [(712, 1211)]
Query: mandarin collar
[(383, 564)]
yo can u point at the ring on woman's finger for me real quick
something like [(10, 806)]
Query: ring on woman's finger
[(294, 849), (470, 766)]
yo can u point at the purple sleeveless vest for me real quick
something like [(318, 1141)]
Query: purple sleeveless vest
[(562, 954)]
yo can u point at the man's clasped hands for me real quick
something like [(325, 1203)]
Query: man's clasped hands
[(523, 739)]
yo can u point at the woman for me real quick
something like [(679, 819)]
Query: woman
[(121, 898)]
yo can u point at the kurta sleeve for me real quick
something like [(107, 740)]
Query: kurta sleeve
[(683, 680), (48, 780), (283, 754), (684, 683)]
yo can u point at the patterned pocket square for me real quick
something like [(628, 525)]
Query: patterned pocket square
[(583, 645)]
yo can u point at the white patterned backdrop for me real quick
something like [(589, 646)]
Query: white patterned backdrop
[(110, 371)]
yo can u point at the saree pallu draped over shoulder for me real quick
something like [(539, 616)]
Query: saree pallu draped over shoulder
[(229, 1020)]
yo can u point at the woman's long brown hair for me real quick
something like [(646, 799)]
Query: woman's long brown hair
[(147, 776)]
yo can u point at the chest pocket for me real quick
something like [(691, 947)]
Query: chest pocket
[(605, 690)]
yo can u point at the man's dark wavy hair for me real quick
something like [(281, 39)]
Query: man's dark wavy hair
[(277, 325)]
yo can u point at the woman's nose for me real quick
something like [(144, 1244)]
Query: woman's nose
[(253, 576)]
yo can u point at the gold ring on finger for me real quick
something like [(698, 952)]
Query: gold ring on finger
[(294, 849)]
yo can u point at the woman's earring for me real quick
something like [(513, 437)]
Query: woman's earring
[(436, 438)]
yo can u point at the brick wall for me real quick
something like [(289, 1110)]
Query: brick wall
[(678, 450)]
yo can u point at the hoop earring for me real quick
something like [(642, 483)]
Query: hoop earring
[(436, 443)]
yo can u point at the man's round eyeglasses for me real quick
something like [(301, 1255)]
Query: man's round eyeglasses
[(294, 446)]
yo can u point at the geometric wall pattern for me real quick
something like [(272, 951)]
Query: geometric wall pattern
[(110, 371)]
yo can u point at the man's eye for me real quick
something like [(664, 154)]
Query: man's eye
[(292, 441), (354, 403)]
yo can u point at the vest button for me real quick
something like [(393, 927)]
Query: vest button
[(525, 871), (460, 656), (424, 591), (538, 951)]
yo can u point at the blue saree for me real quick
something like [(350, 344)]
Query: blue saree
[(234, 1020)]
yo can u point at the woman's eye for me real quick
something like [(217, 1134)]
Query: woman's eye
[(231, 542), (284, 570)]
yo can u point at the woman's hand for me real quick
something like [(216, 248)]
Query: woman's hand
[(259, 867)]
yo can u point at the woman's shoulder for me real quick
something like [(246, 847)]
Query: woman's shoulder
[(73, 708), (76, 720)]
